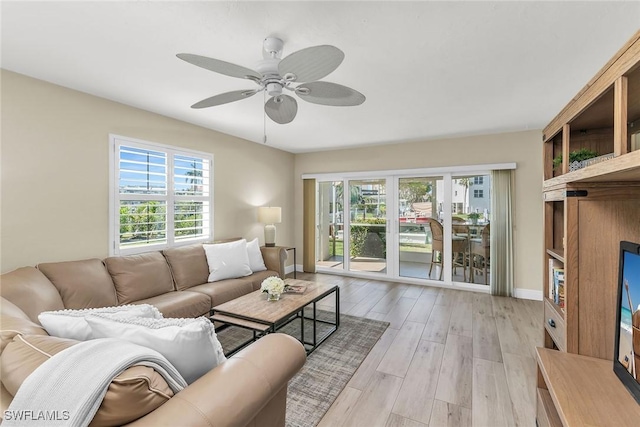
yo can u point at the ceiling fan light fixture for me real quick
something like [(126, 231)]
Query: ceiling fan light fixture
[(274, 89)]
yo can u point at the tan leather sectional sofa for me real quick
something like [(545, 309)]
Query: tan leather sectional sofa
[(247, 390)]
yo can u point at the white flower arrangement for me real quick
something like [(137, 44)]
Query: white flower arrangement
[(273, 285)]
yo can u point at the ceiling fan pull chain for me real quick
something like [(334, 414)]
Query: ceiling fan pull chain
[(264, 118)]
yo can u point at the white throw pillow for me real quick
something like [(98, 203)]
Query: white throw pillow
[(72, 324), (256, 262), (190, 345), (227, 260)]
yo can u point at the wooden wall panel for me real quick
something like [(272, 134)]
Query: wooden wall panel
[(598, 140), (602, 225)]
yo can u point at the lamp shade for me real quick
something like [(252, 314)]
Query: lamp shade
[(270, 215)]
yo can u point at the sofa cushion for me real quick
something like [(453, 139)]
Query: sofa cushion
[(30, 290), (10, 309), (10, 326), (141, 276), (134, 393), (131, 395), (256, 263), (188, 265), (190, 345), (5, 399), (25, 354), (225, 290), (180, 304), (227, 260), (81, 284), (72, 324)]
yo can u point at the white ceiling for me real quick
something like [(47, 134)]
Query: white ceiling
[(428, 69)]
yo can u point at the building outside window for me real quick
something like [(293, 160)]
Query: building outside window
[(478, 194)]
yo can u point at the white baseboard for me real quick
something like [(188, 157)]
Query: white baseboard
[(517, 292), (289, 269), (527, 294)]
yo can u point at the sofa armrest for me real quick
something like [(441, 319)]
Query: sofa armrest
[(274, 258), (236, 392)]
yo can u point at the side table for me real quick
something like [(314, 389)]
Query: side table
[(294, 260)]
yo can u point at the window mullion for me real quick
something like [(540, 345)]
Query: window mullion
[(170, 199)]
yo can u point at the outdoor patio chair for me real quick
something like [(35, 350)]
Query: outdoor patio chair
[(480, 255), (459, 247)]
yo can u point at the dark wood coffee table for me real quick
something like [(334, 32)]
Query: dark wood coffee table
[(254, 312)]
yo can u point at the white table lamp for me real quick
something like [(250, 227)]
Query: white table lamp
[(269, 216)]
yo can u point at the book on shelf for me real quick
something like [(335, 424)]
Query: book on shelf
[(555, 268), (558, 287)]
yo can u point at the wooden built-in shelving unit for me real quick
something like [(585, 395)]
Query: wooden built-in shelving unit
[(587, 212)]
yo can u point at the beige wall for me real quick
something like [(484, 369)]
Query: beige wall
[(523, 148), (55, 169)]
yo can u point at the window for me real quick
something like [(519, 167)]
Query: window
[(478, 180), (478, 194), (161, 196)]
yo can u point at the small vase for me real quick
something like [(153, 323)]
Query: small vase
[(273, 296)]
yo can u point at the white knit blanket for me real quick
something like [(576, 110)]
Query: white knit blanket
[(67, 389)]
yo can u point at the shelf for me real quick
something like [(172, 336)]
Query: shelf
[(622, 62), (585, 391), (556, 253), (625, 168)]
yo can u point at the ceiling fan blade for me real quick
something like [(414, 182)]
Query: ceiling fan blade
[(281, 109), (312, 63), (222, 67), (325, 93), (225, 98)]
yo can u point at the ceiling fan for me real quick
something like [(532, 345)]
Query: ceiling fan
[(299, 73)]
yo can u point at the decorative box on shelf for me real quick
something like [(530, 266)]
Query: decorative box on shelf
[(574, 166)]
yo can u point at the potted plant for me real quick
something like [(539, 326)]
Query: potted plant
[(474, 216), (575, 156), (274, 286)]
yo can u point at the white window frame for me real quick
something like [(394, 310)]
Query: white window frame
[(478, 194), (115, 141)]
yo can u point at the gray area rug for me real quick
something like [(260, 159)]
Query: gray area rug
[(328, 369)]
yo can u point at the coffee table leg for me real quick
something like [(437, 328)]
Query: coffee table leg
[(315, 339), (302, 326), (337, 307)]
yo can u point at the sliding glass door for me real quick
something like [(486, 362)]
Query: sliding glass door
[(368, 225), (330, 225), (431, 228), (351, 225), (470, 229), (420, 244)]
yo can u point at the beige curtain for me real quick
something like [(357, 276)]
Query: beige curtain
[(309, 225), (502, 262)]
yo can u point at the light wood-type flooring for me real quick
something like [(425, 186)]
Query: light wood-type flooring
[(448, 358)]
